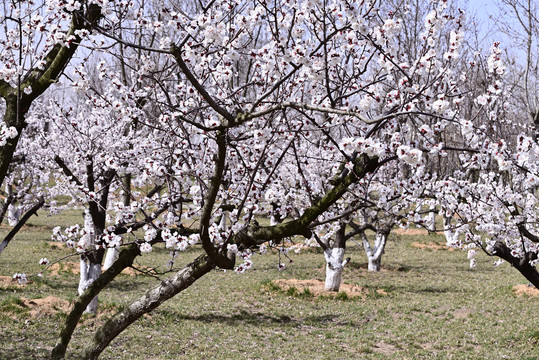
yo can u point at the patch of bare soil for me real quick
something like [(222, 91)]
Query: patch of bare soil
[(316, 287), (524, 289), (413, 231), (385, 349), (431, 245), (6, 281), (46, 306), (462, 313), (69, 267)]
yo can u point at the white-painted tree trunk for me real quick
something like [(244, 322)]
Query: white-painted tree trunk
[(13, 214), (89, 269), (451, 236), (431, 219), (334, 266), (83, 277), (111, 257), (223, 222), (88, 274), (94, 270), (374, 254), (114, 252)]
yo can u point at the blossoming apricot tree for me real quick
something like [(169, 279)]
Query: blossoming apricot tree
[(297, 107)]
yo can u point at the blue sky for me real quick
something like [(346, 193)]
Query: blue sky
[(487, 13)]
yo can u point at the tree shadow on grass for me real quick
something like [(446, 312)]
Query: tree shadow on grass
[(21, 350), (128, 285), (258, 318)]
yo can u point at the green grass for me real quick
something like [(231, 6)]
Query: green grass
[(435, 308)]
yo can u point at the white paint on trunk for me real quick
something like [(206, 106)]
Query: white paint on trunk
[(334, 266), (83, 278), (88, 273), (222, 223), (431, 219), (111, 257), (13, 214), (374, 254), (451, 236), (94, 270)]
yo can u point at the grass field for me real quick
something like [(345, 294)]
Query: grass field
[(424, 304)]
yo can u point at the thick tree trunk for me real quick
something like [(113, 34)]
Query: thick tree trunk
[(374, 263), (522, 265), (89, 272), (451, 236), (152, 299), (94, 270), (83, 275), (111, 257), (125, 260), (374, 254), (431, 219), (113, 252), (334, 266), (13, 214), (335, 260), (90, 266)]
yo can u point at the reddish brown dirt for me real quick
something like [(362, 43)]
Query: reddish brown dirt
[(46, 306), (412, 231), (385, 349), (6, 281), (316, 287), (70, 267), (524, 289)]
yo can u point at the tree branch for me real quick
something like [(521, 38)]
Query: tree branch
[(21, 223), (215, 183), (176, 52), (125, 259), (149, 301), (300, 226), (521, 264), (67, 172)]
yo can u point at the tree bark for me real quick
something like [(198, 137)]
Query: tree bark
[(110, 257), (18, 102), (20, 224), (521, 264), (124, 260), (431, 219), (114, 252), (334, 260), (451, 236), (152, 299), (90, 264), (374, 254), (334, 268)]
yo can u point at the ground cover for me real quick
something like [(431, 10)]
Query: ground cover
[(425, 304)]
